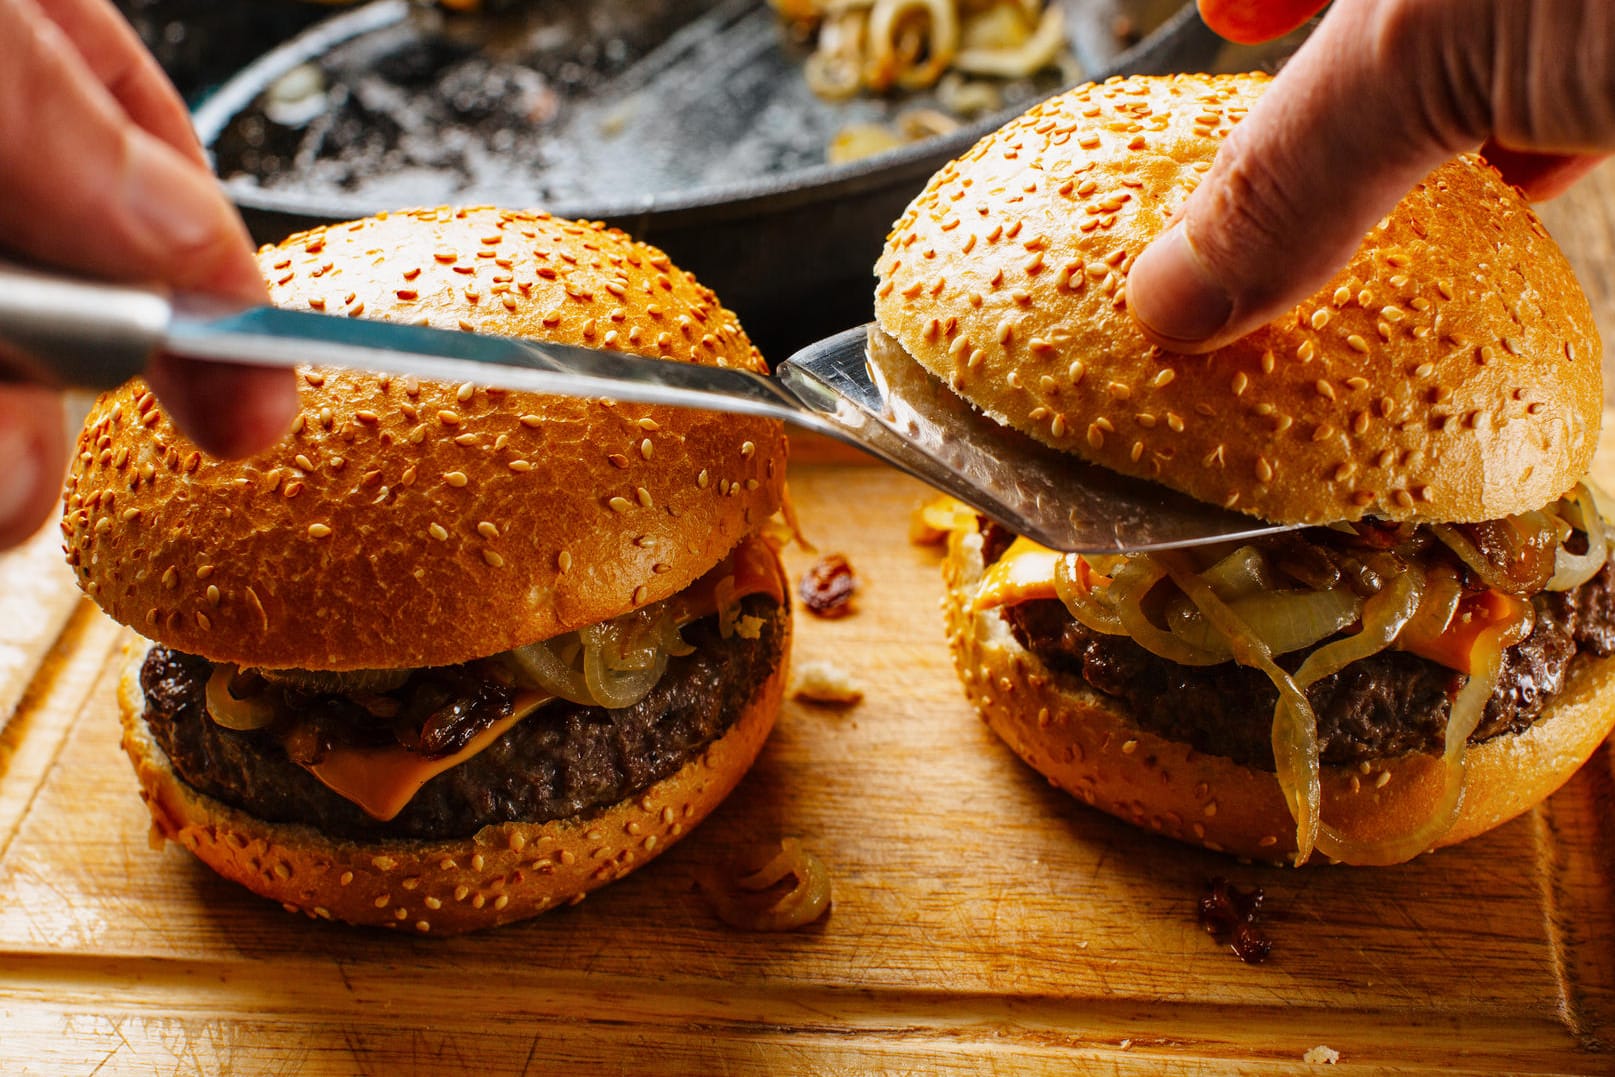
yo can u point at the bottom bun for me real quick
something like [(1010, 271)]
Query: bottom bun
[(1084, 744), (504, 873)]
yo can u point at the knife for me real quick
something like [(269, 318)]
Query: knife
[(857, 387)]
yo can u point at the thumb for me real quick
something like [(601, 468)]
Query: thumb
[(1331, 147)]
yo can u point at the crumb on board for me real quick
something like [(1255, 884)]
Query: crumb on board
[(824, 682), (1321, 1056)]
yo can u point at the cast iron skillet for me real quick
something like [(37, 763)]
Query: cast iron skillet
[(737, 192)]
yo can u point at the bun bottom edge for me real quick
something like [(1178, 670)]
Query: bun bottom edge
[(504, 873), (1084, 744)]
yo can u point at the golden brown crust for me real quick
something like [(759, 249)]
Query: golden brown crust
[(408, 523), (505, 873), (1079, 740), (1451, 371)]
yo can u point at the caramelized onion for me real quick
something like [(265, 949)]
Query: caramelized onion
[(1127, 589), (1295, 726), (1514, 555), (545, 667), (231, 711), (1384, 617), (1571, 570), (1241, 573), (1284, 620), (612, 664), (749, 895), (1074, 584)]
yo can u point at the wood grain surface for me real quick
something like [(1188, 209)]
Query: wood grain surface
[(983, 922)]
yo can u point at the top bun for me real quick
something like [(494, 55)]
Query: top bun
[(407, 523), (1450, 372)]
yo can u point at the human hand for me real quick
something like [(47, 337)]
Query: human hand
[(100, 172), (1381, 93)]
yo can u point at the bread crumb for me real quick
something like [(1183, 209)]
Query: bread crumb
[(1321, 1056), (823, 682)]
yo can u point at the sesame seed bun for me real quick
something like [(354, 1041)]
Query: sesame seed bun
[(407, 523), (1084, 744), (504, 873), (1450, 372)]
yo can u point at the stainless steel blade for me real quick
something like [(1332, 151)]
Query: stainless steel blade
[(868, 385), (858, 387), (274, 337)]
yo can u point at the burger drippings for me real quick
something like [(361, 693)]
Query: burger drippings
[(1305, 612), (1229, 915)]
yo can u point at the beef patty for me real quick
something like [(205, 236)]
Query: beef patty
[(1388, 704), (564, 760)]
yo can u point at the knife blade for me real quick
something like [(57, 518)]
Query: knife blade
[(856, 387)]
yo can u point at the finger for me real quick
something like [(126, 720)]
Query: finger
[(113, 51), (228, 410), (87, 190), (1331, 147), (1250, 22), (1540, 175), (34, 448)]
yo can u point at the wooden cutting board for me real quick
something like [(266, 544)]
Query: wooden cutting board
[(982, 921)]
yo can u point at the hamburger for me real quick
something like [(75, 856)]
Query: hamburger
[(1429, 655), (446, 656)]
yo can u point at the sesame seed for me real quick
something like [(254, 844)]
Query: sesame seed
[(520, 465), (493, 559), (531, 421), (1320, 317), (563, 560), (455, 478), (464, 392), (640, 593), (620, 504), (448, 418), (644, 496), (646, 449), (1357, 344)]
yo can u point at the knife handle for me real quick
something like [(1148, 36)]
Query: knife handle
[(69, 332)]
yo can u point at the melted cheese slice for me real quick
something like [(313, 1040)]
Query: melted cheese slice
[(383, 780), (1025, 573)]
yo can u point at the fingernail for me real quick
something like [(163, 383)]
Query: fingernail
[(1172, 295), (165, 194)]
